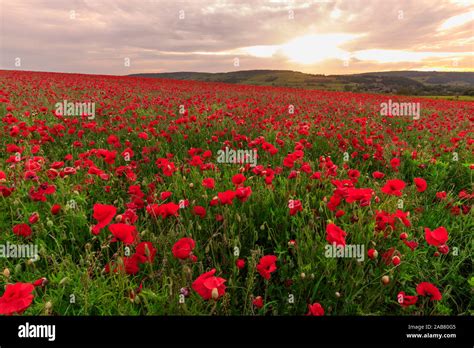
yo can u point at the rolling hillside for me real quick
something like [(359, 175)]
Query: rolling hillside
[(395, 82)]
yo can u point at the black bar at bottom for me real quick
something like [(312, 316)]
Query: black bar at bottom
[(327, 330)]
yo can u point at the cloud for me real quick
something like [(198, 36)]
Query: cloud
[(96, 36)]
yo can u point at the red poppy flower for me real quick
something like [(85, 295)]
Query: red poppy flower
[(55, 209), (378, 175), (394, 187), (436, 237), (315, 309), (267, 265), (421, 184), (208, 183), (428, 289), (334, 202), (208, 286), (240, 263), (238, 179), (131, 265), (104, 214), (340, 213), (295, 206), (335, 234), (243, 193), (182, 248), (6, 191), (145, 252), (406, 300), (403, 216), (395, 163), (362, 195), (200, 211), (163, 210), (22, 230), (258, 302), (353, 174), (16, 298), (226, 197), (165, 195), (411, 244), (123, 232)]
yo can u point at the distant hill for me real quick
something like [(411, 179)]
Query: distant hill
[(396, 82)]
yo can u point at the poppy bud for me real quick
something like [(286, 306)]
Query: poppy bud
[(48, 305), (443, 249), (403, 236), (49, 223), (372, 253), (395, 260), (33, 218), (215, 294), (6, 273), (118, 218), (187, 270), (185, 292), (41, 282), (385, 280), (338, 294), (303, 275)]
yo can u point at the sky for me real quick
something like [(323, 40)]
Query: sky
[(120, 37)]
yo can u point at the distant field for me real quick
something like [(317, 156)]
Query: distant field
[(450, 97), (420, 83)]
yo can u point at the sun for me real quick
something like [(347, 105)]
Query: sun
[(311, 49)]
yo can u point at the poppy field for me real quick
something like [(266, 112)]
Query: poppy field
[(194, 198)]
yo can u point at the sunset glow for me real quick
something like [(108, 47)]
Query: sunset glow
[(323, 37)]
